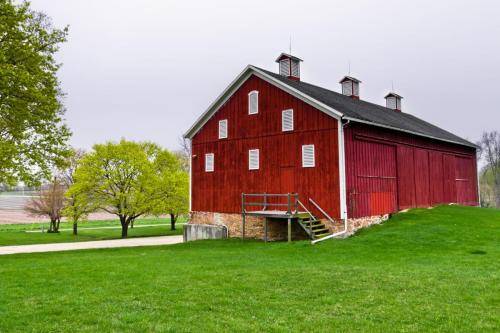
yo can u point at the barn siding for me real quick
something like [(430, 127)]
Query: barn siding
[(280, 152), (428, 172)]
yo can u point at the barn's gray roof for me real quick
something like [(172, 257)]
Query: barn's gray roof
[(359, 110)]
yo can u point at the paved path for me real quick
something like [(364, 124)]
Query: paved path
[(130, 242)]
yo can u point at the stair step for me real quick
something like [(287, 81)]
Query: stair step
[(320, 231), (317, 236), (310, 221), (318, 226)]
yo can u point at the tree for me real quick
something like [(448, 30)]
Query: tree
[(49, 202), (77, 205), (490, 151), (184, 154), (172, 183), (32, 133), (118, 178)]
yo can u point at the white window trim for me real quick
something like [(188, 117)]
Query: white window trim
[(227, 129), (249, 158), (283, 123), (207, 169), (313, 156), (257, 104)]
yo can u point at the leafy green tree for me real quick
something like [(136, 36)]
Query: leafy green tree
[(32, 133), (118, 178), (172, 183), (77, 205)]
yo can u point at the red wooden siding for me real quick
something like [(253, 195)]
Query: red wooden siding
[(281, 168), (417, 172), (374, 191)]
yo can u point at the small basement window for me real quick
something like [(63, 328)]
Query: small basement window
[(253, 159), (253, 102), (287, 120), (308, 159), (209, 162), (223, 129)]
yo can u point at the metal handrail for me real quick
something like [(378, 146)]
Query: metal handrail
[(331, 220), (310, 215), (321, 210)]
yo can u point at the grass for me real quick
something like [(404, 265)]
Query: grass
[(22, 234), (424, 270)]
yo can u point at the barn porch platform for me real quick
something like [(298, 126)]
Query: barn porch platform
[(313, 227)]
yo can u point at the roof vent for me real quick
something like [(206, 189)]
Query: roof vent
[(393, 101), (350, 86), (289, 66)]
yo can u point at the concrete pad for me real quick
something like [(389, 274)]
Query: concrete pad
[(104, 244)]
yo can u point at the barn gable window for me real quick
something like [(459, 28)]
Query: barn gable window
[(209, 162), (308, 158), (223, 129), (287, 120), (253, 159), (253, 102)]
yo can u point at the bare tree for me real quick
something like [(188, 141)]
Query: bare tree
[(49, 203), (184, 154), (490, 151)]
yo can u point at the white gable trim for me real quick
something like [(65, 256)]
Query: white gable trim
[(236, 84)]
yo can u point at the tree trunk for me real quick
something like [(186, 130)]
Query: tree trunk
[(58, 222), (75, 228), (173, 219), (132, 224), (124, 223)]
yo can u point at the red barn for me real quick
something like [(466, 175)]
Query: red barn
[(272, 146)]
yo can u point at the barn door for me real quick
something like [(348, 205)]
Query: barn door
[(287, 181), (374, 191)]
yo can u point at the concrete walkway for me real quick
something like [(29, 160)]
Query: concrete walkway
[(104, 244)]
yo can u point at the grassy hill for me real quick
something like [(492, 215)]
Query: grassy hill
[(424, 270)]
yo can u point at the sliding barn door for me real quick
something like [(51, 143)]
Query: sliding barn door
[(375, 187)]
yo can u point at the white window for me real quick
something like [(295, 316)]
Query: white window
[(287, 120), (308, 160), (347, 88), (223, 129), (209, 162), (253, 102), (253, 159), (285, 67)]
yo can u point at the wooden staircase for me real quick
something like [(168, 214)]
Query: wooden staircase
[(313, 227)]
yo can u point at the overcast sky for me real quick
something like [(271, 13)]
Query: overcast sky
[(145, 70)]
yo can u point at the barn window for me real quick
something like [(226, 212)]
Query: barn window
[(223, 129), (253, 159), (209, 162), (253, 102), (308, 160), (287, 120)]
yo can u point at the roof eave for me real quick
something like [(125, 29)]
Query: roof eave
[(470, 144)]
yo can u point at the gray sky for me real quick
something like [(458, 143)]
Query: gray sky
[(145, 70)]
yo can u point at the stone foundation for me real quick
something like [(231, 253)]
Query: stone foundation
[(277, 228)]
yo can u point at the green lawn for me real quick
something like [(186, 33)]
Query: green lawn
[(19, 234), (424, 270)]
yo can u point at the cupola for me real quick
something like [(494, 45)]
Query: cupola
[(289, 66), (393, 101), (350, 86)]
